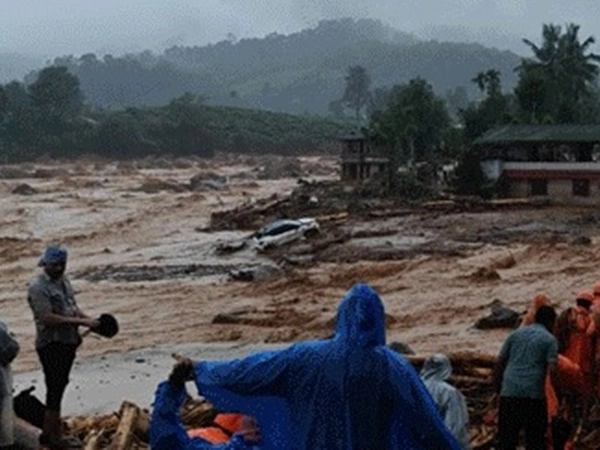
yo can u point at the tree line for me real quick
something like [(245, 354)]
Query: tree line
[(49, 116), (297, 73), (558, 84)]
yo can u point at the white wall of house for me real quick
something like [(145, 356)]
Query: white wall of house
[(561, 190), (558, 166)]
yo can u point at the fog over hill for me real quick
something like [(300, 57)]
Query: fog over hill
[(288, 55), (50, 28)]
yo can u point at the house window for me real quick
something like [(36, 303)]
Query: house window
[(538, 187), (581, 188)]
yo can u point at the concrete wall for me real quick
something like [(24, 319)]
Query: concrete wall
[(519, 188), (557, 189), (562, 189)]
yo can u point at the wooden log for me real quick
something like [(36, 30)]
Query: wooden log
[(123, 438), (458, 360), (462, 380), (341, 217), (142, 428), (92, 441), (390, 213)]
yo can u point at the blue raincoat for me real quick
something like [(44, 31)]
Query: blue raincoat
[(350, 392), (166, 428)]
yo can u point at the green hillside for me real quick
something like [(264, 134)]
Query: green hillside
[(298, 73)]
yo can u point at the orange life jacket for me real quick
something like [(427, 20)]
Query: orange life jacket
[(223, 427)]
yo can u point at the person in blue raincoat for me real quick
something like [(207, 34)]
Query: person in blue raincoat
[(167, 431), (451, 402), (348, 392)]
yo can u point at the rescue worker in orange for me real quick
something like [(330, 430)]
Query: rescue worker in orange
[(576, 334), (538, 301)]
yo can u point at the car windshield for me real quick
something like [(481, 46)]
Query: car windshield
[(279, 227)]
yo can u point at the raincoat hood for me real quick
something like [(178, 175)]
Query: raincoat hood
[(345, 393), (361, 318), (436, 368)]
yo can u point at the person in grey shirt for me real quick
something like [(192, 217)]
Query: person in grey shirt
[(528, 355), (57, 318)]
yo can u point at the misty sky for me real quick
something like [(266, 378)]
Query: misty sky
[(51, 28)]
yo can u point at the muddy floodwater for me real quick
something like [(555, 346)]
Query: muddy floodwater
[(142, 248)]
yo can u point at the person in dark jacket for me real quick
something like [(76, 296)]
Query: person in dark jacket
[(9, 348), (348, 392)]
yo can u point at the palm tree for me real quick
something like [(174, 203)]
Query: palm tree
[(566, 66)]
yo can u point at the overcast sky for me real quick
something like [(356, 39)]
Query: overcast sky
[(51, 28)]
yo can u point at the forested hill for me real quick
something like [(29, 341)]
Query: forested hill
[(298, 73)]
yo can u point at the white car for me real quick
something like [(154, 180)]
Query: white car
[(283, 231)]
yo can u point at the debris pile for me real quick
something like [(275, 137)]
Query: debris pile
[(154, 185), (208, 181), (24, 189), (129, 427), (472, 374), (308, 199)]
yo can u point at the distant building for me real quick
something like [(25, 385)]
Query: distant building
[(361, 160), (557, 161)]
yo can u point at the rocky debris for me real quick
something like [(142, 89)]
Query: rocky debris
[(504, 262), (581, 240), (276, 168), (275, 317), (233, 317), (152, 273), (228, 247), (333, 198), (13, 173), (500, 317), (208, 181), (25, 189), (54, 172), (259, 273), (154, 185), (485, 274), (244, 175), (183, 163), (152, 162)]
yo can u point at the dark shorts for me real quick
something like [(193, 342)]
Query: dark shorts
[(57, 360)]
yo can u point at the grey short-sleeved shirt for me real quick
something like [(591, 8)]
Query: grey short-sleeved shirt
[(53, 296), (528, 352)]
